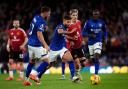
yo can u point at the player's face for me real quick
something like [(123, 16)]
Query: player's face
[(74, 16), (16, 23), (67, 22), (47, 15), (95, 16)]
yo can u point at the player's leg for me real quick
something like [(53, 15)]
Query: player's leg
[(80, 56), (51, 57), (37, 74), (63, 69), (20, 66), (43, 55), (97, 52), (30, 65), (74, 53), (66, 55), (11, 65), (43, 67)]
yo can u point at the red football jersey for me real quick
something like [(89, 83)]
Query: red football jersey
[(75, 44), (17, 37)]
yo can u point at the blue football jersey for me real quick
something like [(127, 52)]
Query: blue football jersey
[(37, 24), (96, 27), (58, 41)]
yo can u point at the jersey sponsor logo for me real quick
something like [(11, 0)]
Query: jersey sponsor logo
[(96, 30), (14, 37)]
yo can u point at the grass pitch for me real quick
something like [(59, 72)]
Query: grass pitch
[(52, 81)]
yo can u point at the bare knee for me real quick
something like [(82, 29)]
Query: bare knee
[(67, 56)]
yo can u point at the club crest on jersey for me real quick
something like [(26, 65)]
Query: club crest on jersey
[(14, 37), (100, 25), (96, 30), (18, 33)]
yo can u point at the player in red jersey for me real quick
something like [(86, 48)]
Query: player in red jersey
[(74, 41), (16, 47)]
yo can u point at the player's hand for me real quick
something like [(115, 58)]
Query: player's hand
[(76, 37), (46, 28), (47, 47), (93, 35), (22, 47), (72, 43), (8, 48), (106, 41)]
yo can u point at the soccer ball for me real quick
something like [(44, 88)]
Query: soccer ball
[(95, 79)]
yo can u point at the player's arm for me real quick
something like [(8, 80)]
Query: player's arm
[(61, 31), (8, 45), (41, 39), (40, 35), (25, 40), (73, 30), (8, 41), (105, 32), (86, 32), (71, 38)]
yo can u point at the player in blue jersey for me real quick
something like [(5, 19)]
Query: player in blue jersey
[(94, 30), (58, 48), (58, 45), (37, 46)]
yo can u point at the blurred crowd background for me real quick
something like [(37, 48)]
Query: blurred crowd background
[(114, 12)]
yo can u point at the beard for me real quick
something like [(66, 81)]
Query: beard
[(16, 27), (46, 18)]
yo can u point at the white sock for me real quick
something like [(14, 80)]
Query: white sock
[(5, 72), (34, 72), (11, 73), (27, 79), (21, 74)]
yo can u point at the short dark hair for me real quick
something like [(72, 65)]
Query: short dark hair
[(66, 17), (95, 12), (45, 9), (16, 20)]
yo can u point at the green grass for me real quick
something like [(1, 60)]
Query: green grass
[(108, 81)]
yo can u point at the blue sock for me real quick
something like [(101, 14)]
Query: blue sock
[(41, 73), (63, 68), (42, 68), (72, 68), (29, 68), (96, 64)]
